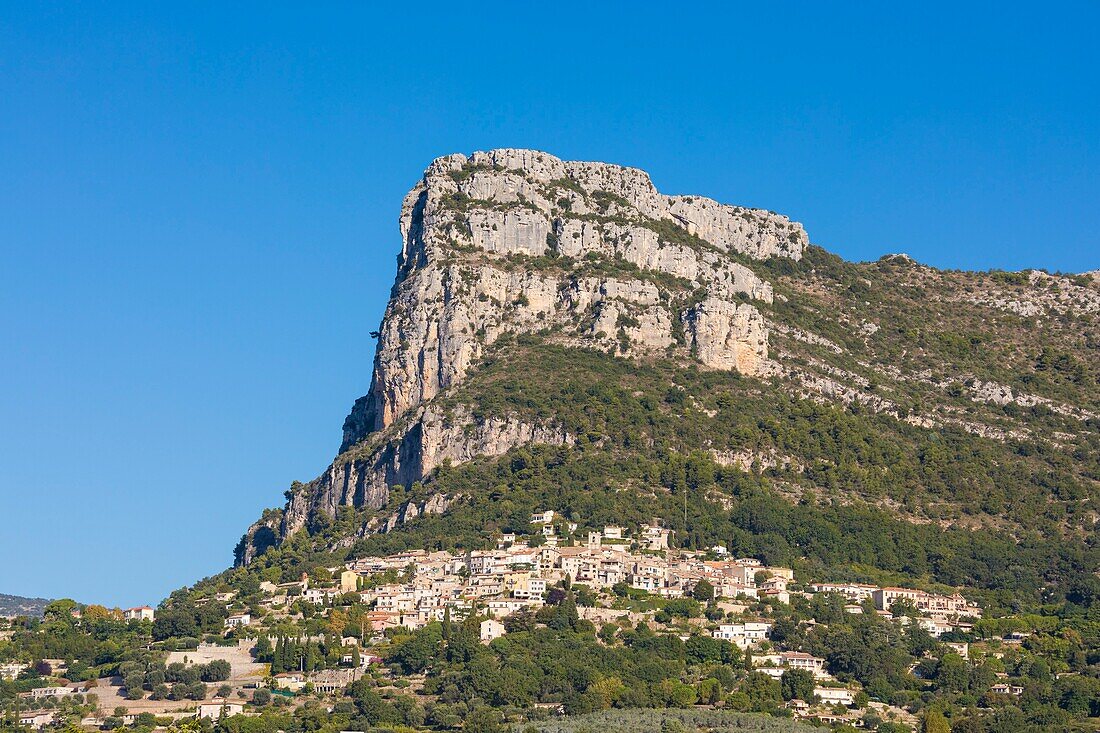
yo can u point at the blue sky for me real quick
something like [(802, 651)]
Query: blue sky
[(198, 208)]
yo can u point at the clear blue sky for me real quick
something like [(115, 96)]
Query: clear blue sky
[(198, 208)]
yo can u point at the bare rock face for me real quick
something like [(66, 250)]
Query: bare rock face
[(505, 241), (758, 234), (403, 456), (518, 241), (728, 336)]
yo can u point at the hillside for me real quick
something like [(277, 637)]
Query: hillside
[(563, 327), (20, 606)]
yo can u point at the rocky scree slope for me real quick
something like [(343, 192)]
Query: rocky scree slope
[(511, 244)]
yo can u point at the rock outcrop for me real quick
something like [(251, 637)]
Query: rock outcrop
[(518, 241)]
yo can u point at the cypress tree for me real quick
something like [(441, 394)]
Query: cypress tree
[(277, 656)]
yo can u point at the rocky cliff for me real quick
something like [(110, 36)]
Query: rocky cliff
[(518, 241)]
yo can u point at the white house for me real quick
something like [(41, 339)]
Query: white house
[(801, 660), (141, 613), (491, 629), (855, 591), (292, 681), (1002, 688), (743, 635), (238, 619), (11, 670), (35, 719), (216, 709), (835, 695)]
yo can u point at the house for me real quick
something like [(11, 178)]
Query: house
[(854, 591), (835, 695), (220, 709), (648, 575), (932, 626), (545, 517), (292, 681), (938, 606), (612, 533), (777, 572), (328, 681), (238, 619), (529, 587), (141, 613), (506, 607), (1003, 688), (11, 670), (743, 635), (320, 595), (382, 620), (491, 629), (960, 647), (776, 582), (349, 581), (781, 596), (655, 537), (774, 672), (36, 719), (886, 597), (808, 662), (44, 692)]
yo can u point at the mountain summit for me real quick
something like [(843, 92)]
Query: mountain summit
[(570, 305)]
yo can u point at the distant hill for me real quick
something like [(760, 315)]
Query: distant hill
[(20, 606)]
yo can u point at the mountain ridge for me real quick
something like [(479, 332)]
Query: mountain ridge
[(21, 605)]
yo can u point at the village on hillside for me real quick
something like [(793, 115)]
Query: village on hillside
[(617, 577)]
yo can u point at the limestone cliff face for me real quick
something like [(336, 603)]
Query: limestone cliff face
[(518, 241), (503, 241)]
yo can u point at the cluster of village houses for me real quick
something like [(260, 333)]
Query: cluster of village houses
[(516, 576)]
